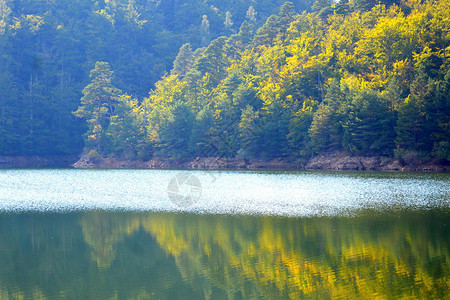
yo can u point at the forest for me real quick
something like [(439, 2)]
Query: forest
[(48, 48), (248, 79)]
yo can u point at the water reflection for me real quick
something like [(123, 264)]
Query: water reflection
[(100, 255)]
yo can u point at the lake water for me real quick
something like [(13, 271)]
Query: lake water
[(153, 234)]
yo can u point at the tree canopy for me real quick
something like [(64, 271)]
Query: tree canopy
[(370, 81), (48, 49), (354, 76)]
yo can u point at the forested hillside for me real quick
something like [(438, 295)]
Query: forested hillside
[(368, 80), (48, 47)]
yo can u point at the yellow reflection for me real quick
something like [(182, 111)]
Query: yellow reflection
[(290, 258)]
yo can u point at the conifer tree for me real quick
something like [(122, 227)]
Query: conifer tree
[(228, 22), (183, 61), (97, 104), (251, 14)]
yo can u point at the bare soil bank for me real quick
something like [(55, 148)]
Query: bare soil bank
[(330, 161)]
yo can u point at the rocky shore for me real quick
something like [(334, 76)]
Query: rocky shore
[(342, 161), (338, 161)]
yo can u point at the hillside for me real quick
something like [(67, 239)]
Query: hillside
[(48, 48), (370, 81)]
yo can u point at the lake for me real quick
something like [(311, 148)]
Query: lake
[(160, 234)]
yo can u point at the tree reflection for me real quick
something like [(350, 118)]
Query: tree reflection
[(397, 255), (148, 255)]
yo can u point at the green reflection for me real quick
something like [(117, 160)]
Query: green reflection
[(99, 255)]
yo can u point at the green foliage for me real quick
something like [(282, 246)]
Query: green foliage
[(368, 125), (183, 61), (368, 82), (327, 130), (175, 132), (126, 130), (268, 32), (367, 78), (249, 132), (48, 48), (93, 155), (98, 104), (442, 150)]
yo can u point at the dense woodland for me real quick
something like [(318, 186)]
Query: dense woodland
[(48, 47), (365, 77)]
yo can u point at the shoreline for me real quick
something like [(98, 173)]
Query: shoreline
[(37, 161), (327, 162), (337, 161)]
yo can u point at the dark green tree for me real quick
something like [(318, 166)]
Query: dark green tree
[(368, 125), (184, 60), (268, 32), (98, 104), (175, 134), (326, 130)]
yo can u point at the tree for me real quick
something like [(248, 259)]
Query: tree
[(251, 14), (126, 130), (5, 12), (213, 60), (268, 32), (286, 15), (412, 133), (200, 142), (98, 103), (183, 61), (249, 132), (326, 130), (245, 34), (321, 4), (204, 31), (274, 129), (368, 128), (228, 23), (175, 133), (298, 137)]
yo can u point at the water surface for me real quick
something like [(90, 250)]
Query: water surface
[(221, 192), (79, 234)]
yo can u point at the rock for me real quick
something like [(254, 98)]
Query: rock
[(327, 161)]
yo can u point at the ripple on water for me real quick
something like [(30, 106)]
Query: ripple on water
[(230, 192)]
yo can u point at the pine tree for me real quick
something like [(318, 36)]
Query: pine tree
[(204, 31), (200, 141), (321, 4), (414, 126), (97, 103), (326, 130), (228, 23), (369, 125), (268, 32), (183, 61), (286, 16), (251, 14), (125, 133), (249, 133), (245, 34), (175, 133), (213, 60)]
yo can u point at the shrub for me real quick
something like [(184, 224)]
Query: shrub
[(93, 156)]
